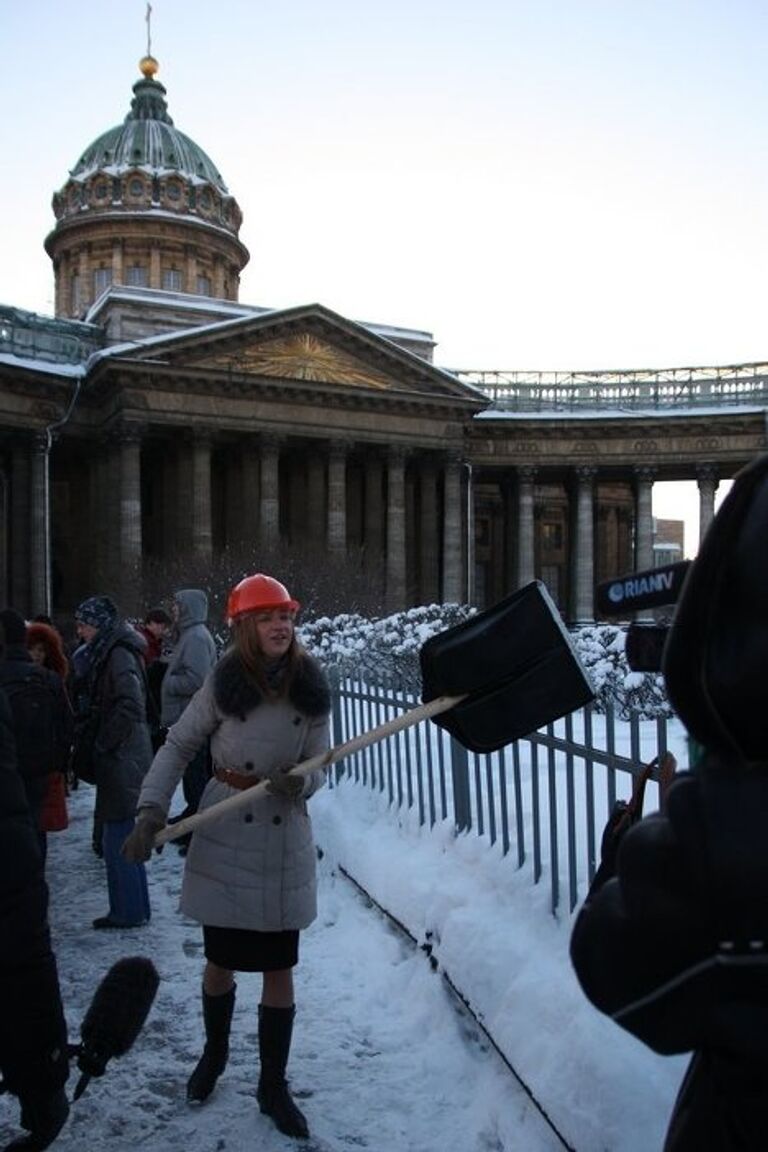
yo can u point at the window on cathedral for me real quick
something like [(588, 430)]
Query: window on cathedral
[(205, 200), (101, 191), (74, 294), (136, 276), (173, 191), (136, 187), (203, 285), (172, 280), (102, 278)]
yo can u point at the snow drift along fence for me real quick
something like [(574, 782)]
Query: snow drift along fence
[(545, 798)]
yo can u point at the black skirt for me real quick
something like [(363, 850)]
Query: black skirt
[(245, 950)]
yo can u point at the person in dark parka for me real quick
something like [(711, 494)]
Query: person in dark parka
[(113, 688), (674, 945), (17, 668), (33, 1037)]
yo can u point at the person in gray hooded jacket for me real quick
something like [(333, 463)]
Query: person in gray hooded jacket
[(193, 656)]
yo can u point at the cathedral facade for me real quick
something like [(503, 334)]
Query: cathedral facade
[(156, 417)]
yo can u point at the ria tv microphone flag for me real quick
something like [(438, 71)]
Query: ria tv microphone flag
[(651, 588)]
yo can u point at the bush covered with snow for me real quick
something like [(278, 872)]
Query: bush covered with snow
[(388, 649), (380, 649)]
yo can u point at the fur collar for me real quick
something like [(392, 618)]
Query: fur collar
[(236, 695)]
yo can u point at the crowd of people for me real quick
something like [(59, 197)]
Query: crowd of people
[(134, 709)]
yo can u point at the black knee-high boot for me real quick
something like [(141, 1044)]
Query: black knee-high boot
[(275, 1100), (217, 1017)]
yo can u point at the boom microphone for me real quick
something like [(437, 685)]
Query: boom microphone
[(116, 1016), (651, 588)]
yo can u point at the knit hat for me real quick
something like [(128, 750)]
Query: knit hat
[(13, 625), (98, 611)]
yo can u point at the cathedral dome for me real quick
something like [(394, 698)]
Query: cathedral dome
[(145, 206), (148, 140)]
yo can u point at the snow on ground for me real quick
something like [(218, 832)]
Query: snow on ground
[(384, 1057)]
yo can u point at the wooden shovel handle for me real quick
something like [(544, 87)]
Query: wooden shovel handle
[(322, 760)]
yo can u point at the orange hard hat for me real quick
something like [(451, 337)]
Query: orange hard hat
[(259, 592)]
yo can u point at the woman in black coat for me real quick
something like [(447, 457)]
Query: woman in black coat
[(33, 1036), (674, 945)]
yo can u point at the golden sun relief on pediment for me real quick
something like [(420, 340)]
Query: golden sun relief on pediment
[(302, 356)]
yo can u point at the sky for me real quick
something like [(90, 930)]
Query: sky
[(383, 1056), (539, 184)]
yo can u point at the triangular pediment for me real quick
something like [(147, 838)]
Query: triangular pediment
[(299, 356), (308, 345)]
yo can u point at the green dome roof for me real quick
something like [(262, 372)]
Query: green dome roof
[(148, 139)]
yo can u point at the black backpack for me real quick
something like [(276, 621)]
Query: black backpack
[(35, 709)]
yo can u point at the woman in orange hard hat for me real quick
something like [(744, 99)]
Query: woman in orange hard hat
[(249, 876)]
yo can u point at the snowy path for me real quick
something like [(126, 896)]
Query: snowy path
[(382, 1058)]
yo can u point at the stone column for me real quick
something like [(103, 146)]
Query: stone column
[(86, 281), (707, 479), (584, 553), (100, 512), (251, 466), (39, 528), (429, 535), (317, 517), (118, 276), (612, 550), (129, 450), (202, 530), (395, 567), (526, 556), (190, 270), (155, 275), (218, 279), (453, 582), (337, 500), (20, 525), (269, 503), (644, 517), (374, 520), (508, 490)]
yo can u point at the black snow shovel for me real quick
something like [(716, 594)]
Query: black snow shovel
[(497, 677)]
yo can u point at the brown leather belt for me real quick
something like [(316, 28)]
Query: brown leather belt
[(239, 780)]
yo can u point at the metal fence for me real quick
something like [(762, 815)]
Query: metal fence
[(544, 799)]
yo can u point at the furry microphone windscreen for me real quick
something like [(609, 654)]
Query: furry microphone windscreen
[(116, 1016)]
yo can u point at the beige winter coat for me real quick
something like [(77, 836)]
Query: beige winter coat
[(253, 868)]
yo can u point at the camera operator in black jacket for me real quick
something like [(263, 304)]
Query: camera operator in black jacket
[(33, 1037), (674, 944)]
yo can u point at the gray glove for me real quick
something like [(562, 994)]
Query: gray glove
[(137, 846), (286, 784)]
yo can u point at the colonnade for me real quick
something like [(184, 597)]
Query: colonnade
[(425, 531)]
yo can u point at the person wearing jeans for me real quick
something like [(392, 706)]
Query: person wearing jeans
[(115, 692)]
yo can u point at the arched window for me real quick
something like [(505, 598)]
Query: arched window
[(172, 280), (136, 276), (102, 278)]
